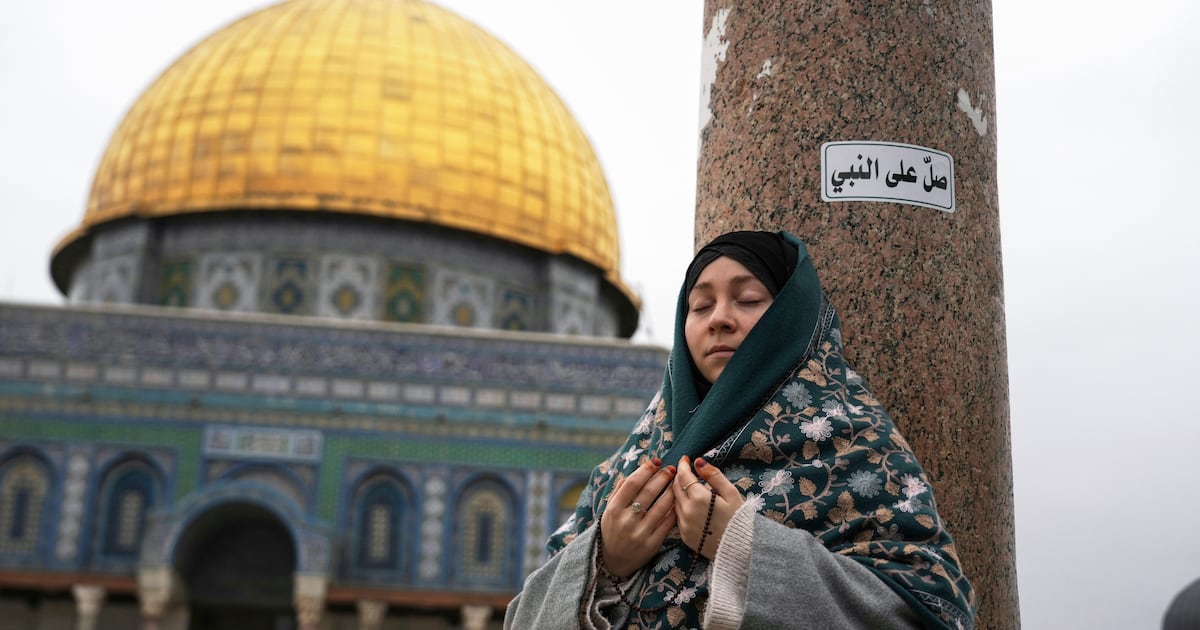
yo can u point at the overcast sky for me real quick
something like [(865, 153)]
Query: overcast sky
[(1096, 105)]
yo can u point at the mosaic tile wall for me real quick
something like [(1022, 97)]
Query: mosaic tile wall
[(473, 440)]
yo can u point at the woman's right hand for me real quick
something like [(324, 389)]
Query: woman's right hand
[(631, 538)]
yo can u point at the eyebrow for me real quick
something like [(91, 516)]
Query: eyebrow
[(737, 280)]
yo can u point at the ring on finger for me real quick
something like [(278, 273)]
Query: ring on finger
[(691, 484), (636, 506)]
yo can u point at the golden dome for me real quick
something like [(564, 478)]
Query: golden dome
[(389, 108)]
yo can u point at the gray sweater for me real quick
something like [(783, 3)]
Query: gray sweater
[(765, 575)]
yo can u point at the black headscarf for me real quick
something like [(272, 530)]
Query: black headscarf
[(771, 259)]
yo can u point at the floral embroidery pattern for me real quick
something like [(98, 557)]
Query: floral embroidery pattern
[(631, 455), (797, 395), (776, 482), (865, 483), (817, 429)]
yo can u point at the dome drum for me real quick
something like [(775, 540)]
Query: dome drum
[(345, 267)]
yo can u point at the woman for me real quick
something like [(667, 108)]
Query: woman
[(789, 500)]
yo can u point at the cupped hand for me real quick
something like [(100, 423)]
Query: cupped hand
[(631, 538), (691, 504)]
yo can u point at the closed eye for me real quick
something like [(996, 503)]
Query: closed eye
[(751, 299)]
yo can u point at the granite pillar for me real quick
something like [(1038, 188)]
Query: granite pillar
[(919, 288)]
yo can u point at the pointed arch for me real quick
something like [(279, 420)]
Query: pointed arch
[(485, 539), (25, 483), (167, 526), (382, 518), (129, 489), (276, 475)]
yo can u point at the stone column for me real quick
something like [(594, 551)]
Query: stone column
[(371, 614), (153, 610), (309, 598), (157, 587), (919, 289), (88, 600), (476, 617)]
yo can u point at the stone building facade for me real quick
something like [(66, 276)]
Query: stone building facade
[(151, 455)]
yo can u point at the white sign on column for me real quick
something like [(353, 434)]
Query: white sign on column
[(887, 171)]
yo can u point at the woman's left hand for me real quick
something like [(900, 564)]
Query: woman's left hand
[(691, 504)]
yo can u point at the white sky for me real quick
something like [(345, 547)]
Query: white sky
[(1095, 107)]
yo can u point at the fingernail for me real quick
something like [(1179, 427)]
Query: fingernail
[(670, 470), (656, 461), (700, 463)]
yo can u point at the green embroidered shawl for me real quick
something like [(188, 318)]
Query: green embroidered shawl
[(792, 426)]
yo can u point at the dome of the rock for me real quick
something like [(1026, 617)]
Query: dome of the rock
[(390, 109)]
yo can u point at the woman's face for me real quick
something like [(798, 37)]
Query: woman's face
[(723, 306)]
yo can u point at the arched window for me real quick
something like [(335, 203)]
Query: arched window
[(484, 525), (381, 515), (23, 486), (129, 496)]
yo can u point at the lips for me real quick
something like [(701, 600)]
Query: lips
[(720, 350)]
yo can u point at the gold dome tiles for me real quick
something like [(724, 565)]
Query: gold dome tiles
[(392, 108)]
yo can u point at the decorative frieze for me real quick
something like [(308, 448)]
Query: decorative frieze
[(253, 442), (462, 299), (117, 340), (228, 281), (348, 287)]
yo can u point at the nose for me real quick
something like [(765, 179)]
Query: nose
[(722, 316)]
